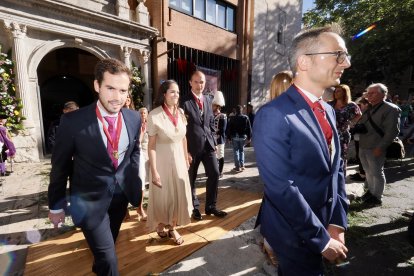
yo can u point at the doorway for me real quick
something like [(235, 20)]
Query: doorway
[(65, 74)]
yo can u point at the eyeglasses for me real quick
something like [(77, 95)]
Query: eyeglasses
[(340, 55)]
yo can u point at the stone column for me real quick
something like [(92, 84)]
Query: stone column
[(126, 55), (18, 33), (145, 72), (122, 9), (142, 13)]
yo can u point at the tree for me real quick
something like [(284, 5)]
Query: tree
[(383, 53)]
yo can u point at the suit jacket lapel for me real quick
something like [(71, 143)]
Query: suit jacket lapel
[(335, 136), (96, 136), (195, 106), (310, 120)]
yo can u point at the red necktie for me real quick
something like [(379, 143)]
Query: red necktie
[(112, 133), (320, 114), (199, 103)]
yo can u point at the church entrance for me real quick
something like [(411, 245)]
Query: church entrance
[(64, 75)]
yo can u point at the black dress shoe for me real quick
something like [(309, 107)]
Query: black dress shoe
[(196, 215), (217, 213), (366, 196), (373, 201)]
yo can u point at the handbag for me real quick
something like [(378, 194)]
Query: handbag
[(396, 149)]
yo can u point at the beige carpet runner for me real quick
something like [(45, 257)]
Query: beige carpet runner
[(140, 252)]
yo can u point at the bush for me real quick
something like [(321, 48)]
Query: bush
[(10, 105)]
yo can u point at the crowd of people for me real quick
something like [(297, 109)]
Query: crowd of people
[(301, 144)]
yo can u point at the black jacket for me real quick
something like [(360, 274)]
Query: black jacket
[(239, 126)]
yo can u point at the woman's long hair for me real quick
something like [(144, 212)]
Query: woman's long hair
[(280, 83), (159, 100)]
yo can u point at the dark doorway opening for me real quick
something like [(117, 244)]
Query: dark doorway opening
[(64, 75)]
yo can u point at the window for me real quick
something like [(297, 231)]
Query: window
[(230, 19), (221, 16), (211, 11), (215, 12), (182, 5), (200, 9)]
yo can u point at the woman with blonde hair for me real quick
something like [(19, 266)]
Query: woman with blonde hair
[(280, 83), (347, 112)]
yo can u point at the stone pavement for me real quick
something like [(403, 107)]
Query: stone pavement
[(23, 221)]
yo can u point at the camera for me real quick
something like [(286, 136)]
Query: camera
[(359, 129)]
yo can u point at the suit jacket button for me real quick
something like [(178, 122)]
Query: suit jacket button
[(330, 200)]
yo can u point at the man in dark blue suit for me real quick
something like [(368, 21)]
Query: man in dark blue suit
[(97, 149), (303, 214), (202, 144)]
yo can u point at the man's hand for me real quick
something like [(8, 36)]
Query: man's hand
[(336, 233), (190, 158), (57, 218), (336, 250)]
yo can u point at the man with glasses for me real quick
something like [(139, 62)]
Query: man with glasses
[(382, 122), (303, 215)]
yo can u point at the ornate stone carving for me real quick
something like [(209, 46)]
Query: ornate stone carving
[(142, 14), (17, 31), (122, 9), (126, 55)]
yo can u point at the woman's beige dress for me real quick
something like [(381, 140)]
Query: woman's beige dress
[(173, 201)]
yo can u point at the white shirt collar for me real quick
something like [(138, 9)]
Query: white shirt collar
[(198, 97), (308, 94)]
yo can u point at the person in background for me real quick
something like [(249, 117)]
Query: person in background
[(347, 113), (7, 147), (239, 132), (382, 122), (360, 174), (220, 123), (169, 202), (280, 83), (406, 110), (97, 148), (304, 211), (143, 162), (51, 133), (202, 144)]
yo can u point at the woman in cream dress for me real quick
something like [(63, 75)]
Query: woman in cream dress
[(169, 203)]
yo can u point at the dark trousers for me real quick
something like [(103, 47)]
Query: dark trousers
[(101, 240), (209, 160), (295, 267), (360, 168)]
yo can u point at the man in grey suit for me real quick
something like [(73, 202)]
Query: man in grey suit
[(97, 148), (382, 121)]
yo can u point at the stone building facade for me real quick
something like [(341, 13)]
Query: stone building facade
[(60, 40), (276, 23)]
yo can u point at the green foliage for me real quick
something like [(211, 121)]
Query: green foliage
[(137, 87), (381, 54), (10, 105)]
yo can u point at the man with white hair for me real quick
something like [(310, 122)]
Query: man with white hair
[(382, 121)]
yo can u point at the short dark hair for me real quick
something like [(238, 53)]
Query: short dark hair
[(239, 109), (307, 40), (112, 66), (159, 100), (70, 104), (197, 72)]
